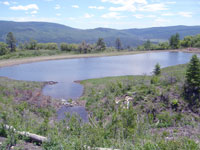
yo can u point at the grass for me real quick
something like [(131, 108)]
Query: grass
[(154, 102), (157, 116)]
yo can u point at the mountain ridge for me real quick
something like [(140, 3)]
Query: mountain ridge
[(54, 32)]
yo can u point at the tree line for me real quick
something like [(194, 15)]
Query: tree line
[(173, 43), (11, 46)]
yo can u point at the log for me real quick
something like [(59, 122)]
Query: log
[(31, 136), (41, 139)]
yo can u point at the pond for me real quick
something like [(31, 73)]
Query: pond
[(66, 71)]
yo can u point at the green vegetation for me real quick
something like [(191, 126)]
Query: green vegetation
[(129, 112), (192, 84), (11, 41), (33, 48), (174, 43), (118, 44), (157, 70), (44, 32), (3, 48)]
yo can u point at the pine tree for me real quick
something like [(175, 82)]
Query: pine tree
[(118, 44), (147, 45), (175, 41), (192, 83), (157, 70), (11, 41), (101, 44)]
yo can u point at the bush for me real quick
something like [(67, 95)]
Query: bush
[(157, 70), (3, 48), (192, 83)]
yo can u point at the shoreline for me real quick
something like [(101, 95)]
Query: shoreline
[(18, 61)]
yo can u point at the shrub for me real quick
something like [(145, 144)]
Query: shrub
[(192, 83), (157, 70), (3, 48)]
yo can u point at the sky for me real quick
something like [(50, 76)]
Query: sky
[(117, 14)]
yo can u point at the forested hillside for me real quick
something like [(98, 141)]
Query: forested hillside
[(52, 32)]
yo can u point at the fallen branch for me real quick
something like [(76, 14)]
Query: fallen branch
[(41, 139), (31, 136)]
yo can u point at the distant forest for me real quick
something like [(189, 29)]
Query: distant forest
[(44, 32), (100, 46)]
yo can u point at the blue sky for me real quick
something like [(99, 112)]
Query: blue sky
[(118, 14)]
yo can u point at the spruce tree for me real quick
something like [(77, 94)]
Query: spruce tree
[(157, 70), (11, 41), (101, 45), (118, 44), (192, 83)]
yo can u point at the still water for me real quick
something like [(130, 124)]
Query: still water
[(66, 71)]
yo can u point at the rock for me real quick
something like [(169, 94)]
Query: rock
[(117, 100), (127, 101), (128, 98)]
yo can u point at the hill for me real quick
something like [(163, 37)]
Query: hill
[(52, 32)]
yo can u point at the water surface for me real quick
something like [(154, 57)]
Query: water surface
[(66, 71)]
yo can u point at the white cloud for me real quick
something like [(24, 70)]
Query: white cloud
[(151, 16), (27, 7), (114, 15), (57, 7), (125, 2), (161, 20), (6, 3), (32, 18), (75, 6), (58, 14), (123, 8), (153, 7), (126, 5), (139, 16), (168, 14), (34, 12), (134, 5), (97, 7), (172, 2), (88, 15), (185, 14)]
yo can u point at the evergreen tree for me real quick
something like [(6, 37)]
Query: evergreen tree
[(11, 41), (157, 70), (118, 44), (147, 45), (32, 44), (175, 41), (192, 83), (101, 44)]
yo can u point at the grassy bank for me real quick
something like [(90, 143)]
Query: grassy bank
[(128, 112), (158, 117)]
